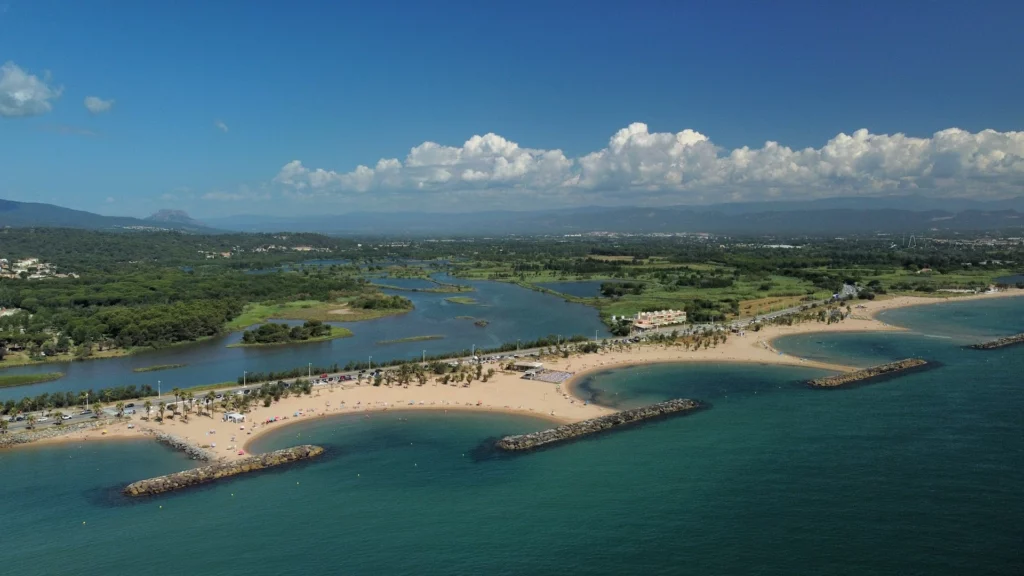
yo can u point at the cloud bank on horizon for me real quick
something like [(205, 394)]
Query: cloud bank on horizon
[(684, 167)]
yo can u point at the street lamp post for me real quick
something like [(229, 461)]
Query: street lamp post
[(423, 358), (517, 344), (370, 363), (243, 378), (309, 370), (157, 390)]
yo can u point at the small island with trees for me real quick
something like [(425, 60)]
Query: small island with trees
[(274, 333)]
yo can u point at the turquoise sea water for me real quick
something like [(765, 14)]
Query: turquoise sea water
[(920, 474)]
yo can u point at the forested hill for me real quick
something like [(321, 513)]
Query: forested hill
[(32, 214), (75, 250), (866, 219)]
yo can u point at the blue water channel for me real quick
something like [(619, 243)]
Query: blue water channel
[(512, 313)]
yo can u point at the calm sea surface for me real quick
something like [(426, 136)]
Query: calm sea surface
[(921, 474)]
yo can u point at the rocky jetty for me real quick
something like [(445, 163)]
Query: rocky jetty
[(213, 472), (52, 431), (594, 425), (868, 373), (191, 450), (1000, 342)]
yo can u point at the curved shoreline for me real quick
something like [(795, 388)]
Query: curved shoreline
[(434, 410), (507, 392)]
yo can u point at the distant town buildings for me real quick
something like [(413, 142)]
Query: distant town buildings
[(30, 269)]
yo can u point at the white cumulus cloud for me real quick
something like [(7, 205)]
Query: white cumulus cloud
[(220, 125), (96, 105), (687, 167), (23, 94)]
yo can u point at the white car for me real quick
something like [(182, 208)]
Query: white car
[(43, 419), (66, 417)]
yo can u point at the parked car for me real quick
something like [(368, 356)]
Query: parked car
[(130, 405), (43, 419), (66, 417)]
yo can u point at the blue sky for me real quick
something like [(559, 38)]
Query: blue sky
[(307, 92)]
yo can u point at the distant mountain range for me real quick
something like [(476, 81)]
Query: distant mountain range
[(35, 215), (832, 216), (894, 214)]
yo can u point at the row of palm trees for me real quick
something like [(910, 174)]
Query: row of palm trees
[(405, 374)]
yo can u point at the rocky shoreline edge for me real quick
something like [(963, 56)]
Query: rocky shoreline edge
[(861, 376), (220, 470), (999, 342), (28, 436), (575, 430)]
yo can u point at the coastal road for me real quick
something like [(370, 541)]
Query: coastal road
[(168, 399)]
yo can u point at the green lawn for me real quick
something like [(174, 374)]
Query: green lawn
[(337, 311)]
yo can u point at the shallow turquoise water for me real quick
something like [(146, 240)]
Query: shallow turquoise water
[(921, 474)]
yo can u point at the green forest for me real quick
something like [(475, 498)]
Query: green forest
[(277, 333), (152, 289)]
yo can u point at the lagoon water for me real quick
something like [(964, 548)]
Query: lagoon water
[(512, 313), (920, 474)]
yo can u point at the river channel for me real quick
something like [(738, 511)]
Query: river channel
[(511, 312)]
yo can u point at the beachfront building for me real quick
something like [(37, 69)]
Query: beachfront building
[(234, 417), (644, 321), (526, 366)]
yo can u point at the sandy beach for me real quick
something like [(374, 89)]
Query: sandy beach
[(505, 391)]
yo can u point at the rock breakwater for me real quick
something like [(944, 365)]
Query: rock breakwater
[(1000, 342), (861, 376), (576, 430), (191, 450), (213, 472)]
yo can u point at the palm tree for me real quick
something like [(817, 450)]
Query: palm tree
[(160, 410), (30, 421), (97, 409), (149, 408), (3, 426), (120, 409), (59, 417), (210, 397), (177, 392)]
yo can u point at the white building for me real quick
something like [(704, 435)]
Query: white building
[(657, 319)]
